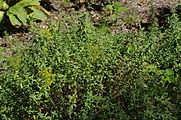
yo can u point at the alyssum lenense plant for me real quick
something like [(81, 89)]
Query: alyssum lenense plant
[(21, 12)]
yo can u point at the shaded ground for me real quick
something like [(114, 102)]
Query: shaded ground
[(140, 12)]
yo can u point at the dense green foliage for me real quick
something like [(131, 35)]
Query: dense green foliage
[(20, 12), (88, 73)]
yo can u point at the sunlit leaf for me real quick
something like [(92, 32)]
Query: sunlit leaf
[(170, 72), (3, 5), (20, 12), (109, 7), (37, 14), (41, 8), (14, 20), (82, 1), (114, 16), (1, 15), (25, 3)]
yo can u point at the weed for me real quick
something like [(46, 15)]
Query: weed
[(89, 73)]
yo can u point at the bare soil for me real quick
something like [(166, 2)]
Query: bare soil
[(139, 14)]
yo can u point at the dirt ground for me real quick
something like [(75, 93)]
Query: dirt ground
[(140, 12)]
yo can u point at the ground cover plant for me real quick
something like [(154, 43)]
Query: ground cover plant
[(73, 70)]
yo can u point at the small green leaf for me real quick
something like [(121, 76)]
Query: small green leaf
[(114, 16), (169, 72), (120, 9), (130, 49), (117, 4), (169, 76), (109, 7)]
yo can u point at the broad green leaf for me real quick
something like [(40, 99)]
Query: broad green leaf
[(1, 19), (1, 3), (25, 3), (1, 15), (14, 20), (5, 6), (20, 12), (37, 14), (41, 8)]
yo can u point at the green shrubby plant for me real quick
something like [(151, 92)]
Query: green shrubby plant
[(89, 73), (157, 72), (112, 13)]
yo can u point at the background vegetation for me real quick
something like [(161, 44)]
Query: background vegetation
[(74, 70)]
